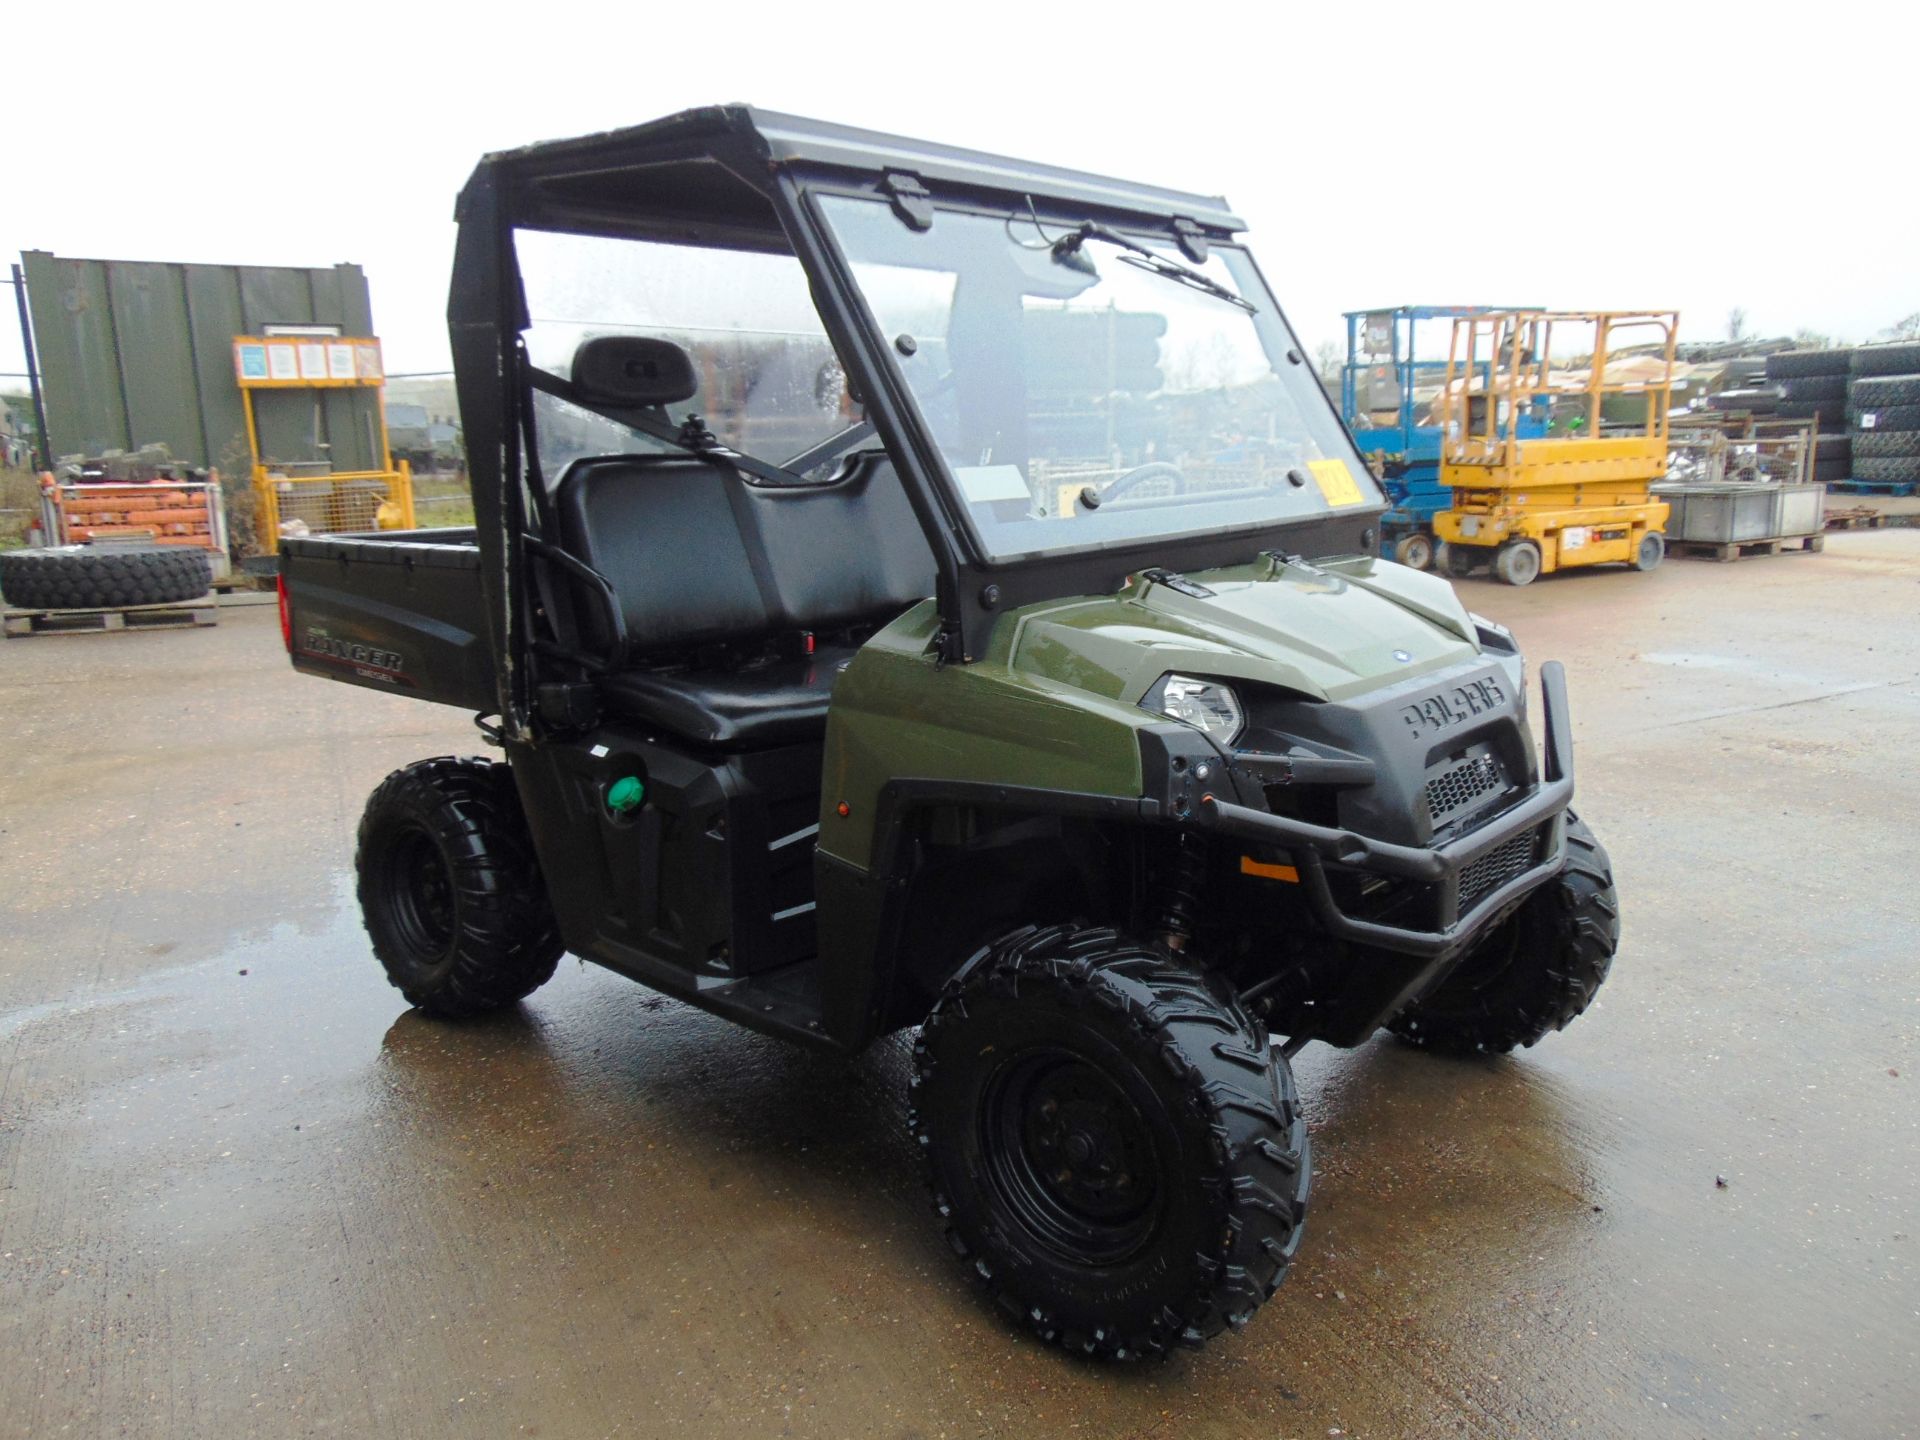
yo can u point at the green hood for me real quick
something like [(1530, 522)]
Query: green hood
[(1329, 631)]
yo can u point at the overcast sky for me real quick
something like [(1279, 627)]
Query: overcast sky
[(1620, 155)]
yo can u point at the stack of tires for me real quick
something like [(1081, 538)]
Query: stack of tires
[(1883, 405), (1813, 386)]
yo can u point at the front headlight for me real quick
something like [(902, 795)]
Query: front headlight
[(1497, 640), (1204, 704)]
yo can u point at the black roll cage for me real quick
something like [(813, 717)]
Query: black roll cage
[(739, 178)]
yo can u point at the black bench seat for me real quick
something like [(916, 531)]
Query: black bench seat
[(700, 558)]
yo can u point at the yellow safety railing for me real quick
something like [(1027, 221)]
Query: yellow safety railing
[(1502, 366), (331, 504)]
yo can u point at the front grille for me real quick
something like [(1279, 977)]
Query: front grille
[(1462, 786), (1494, 869)]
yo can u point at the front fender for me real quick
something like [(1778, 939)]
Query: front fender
[(899, 717)]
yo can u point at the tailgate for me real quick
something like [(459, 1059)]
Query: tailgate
[(397, 612)]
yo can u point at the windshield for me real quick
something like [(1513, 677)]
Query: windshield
[(1082, 398)]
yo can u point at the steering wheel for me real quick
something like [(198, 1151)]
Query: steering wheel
[(1152, 470)]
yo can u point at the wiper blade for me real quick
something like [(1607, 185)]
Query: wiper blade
[(1066, 250), (1174, 270)]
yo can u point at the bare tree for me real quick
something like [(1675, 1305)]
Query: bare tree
[(1737, 323), (1327, 359)]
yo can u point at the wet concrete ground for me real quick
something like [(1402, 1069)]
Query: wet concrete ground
[(242, 1192)]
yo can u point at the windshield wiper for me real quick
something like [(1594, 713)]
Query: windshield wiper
[(1066, 250)]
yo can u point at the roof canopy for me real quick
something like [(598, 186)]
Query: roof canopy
[(705, 175)]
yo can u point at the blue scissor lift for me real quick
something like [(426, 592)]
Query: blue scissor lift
[(1384, 372)]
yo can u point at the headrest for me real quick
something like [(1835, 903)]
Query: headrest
[(632, 370)]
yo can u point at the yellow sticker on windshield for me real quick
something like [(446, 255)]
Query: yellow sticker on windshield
[(1336, 482)]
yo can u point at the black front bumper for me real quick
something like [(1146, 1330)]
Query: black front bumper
[(1443, 866)]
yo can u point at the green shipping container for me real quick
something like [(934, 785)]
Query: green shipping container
[(132, 352)]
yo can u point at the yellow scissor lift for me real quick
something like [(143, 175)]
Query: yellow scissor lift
[(1579, 494)]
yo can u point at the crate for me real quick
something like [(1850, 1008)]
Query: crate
[(1739, 514), (189, 513), (1802, 509)]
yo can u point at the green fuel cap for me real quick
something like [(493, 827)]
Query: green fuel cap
[(625, 794)]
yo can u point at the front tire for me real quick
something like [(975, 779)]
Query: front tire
[(1537, 972), (451, 891), (1651, 550), (1117, 1150)]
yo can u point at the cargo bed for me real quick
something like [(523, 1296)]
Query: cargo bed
[(399, 611)]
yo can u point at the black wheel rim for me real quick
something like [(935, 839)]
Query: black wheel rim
[(419, 893), (1071, 1157), (1487, 964)]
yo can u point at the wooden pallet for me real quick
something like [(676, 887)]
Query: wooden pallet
[(178, 615), (1742, 549), (1865, 518)]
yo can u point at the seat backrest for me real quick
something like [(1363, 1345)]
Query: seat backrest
[(697, 555), (663, 532), (841, 554)]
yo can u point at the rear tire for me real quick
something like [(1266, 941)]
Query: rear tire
[(1414, 551), (1517, 563), (1651, 550), (1830, 391), (1881, 391), (1117, 1150), (1902, 358), (1885, 444), (451, 891), (1535, 974), (1799, 364), (1885, 417)]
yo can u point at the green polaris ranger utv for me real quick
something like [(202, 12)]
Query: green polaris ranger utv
[(915, 588)]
